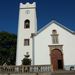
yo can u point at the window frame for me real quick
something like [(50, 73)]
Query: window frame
[(26, 42), (54, 35), (55, 39), (27, 26)]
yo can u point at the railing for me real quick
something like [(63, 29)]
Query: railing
[(69, 67), (25, 69)]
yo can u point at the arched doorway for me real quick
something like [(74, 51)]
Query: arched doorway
[(57, 59)]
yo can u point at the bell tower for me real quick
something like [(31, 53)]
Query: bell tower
[(26, 26)]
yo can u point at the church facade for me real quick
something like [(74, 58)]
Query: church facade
[(53, 44)]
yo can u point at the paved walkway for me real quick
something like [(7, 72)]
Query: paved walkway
[(63, 73)]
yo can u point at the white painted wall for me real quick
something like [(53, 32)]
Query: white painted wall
[(43, 39), (25, 33)]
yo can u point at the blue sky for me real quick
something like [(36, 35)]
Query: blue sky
[(62, 11)]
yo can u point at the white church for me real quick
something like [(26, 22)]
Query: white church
[(53, 44)]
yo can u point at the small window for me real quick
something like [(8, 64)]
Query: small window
[(27, 24), (26, 42), (54, 31), (54, 37)]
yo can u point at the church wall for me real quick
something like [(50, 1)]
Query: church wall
[(43, 39), (41, 52)]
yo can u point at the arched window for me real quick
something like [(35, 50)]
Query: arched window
[(27, 24), (54, 37)]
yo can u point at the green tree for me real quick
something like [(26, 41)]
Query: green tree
[(7, 48), (26, 60)]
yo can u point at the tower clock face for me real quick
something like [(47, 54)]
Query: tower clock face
[(27, 11)]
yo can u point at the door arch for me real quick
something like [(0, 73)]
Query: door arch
[(57, 59)]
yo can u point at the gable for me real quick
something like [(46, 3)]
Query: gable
[(43, 39), (53, 21)]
